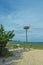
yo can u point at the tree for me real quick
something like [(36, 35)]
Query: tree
[(5, 37)]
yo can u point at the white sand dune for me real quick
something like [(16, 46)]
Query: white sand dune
[(32, 57)]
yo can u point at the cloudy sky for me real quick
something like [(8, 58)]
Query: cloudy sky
[(15, 14)]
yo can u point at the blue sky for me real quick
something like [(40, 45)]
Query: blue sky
[(15, 14)]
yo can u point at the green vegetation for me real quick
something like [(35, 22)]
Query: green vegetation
[(26, 46), (37, 46), (4, 38), (6, 53), (32, 46), (12, 45)]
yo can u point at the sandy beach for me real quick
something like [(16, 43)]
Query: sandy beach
[(21, 57)]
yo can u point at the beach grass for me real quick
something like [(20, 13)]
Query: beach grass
[(11, 45), (32, 46), (37, 46), (26, 46)]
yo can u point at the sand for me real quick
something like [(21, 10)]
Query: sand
[(34, 57), (21, 57)]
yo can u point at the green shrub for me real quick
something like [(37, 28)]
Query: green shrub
[(6, 53), (15, 46)]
